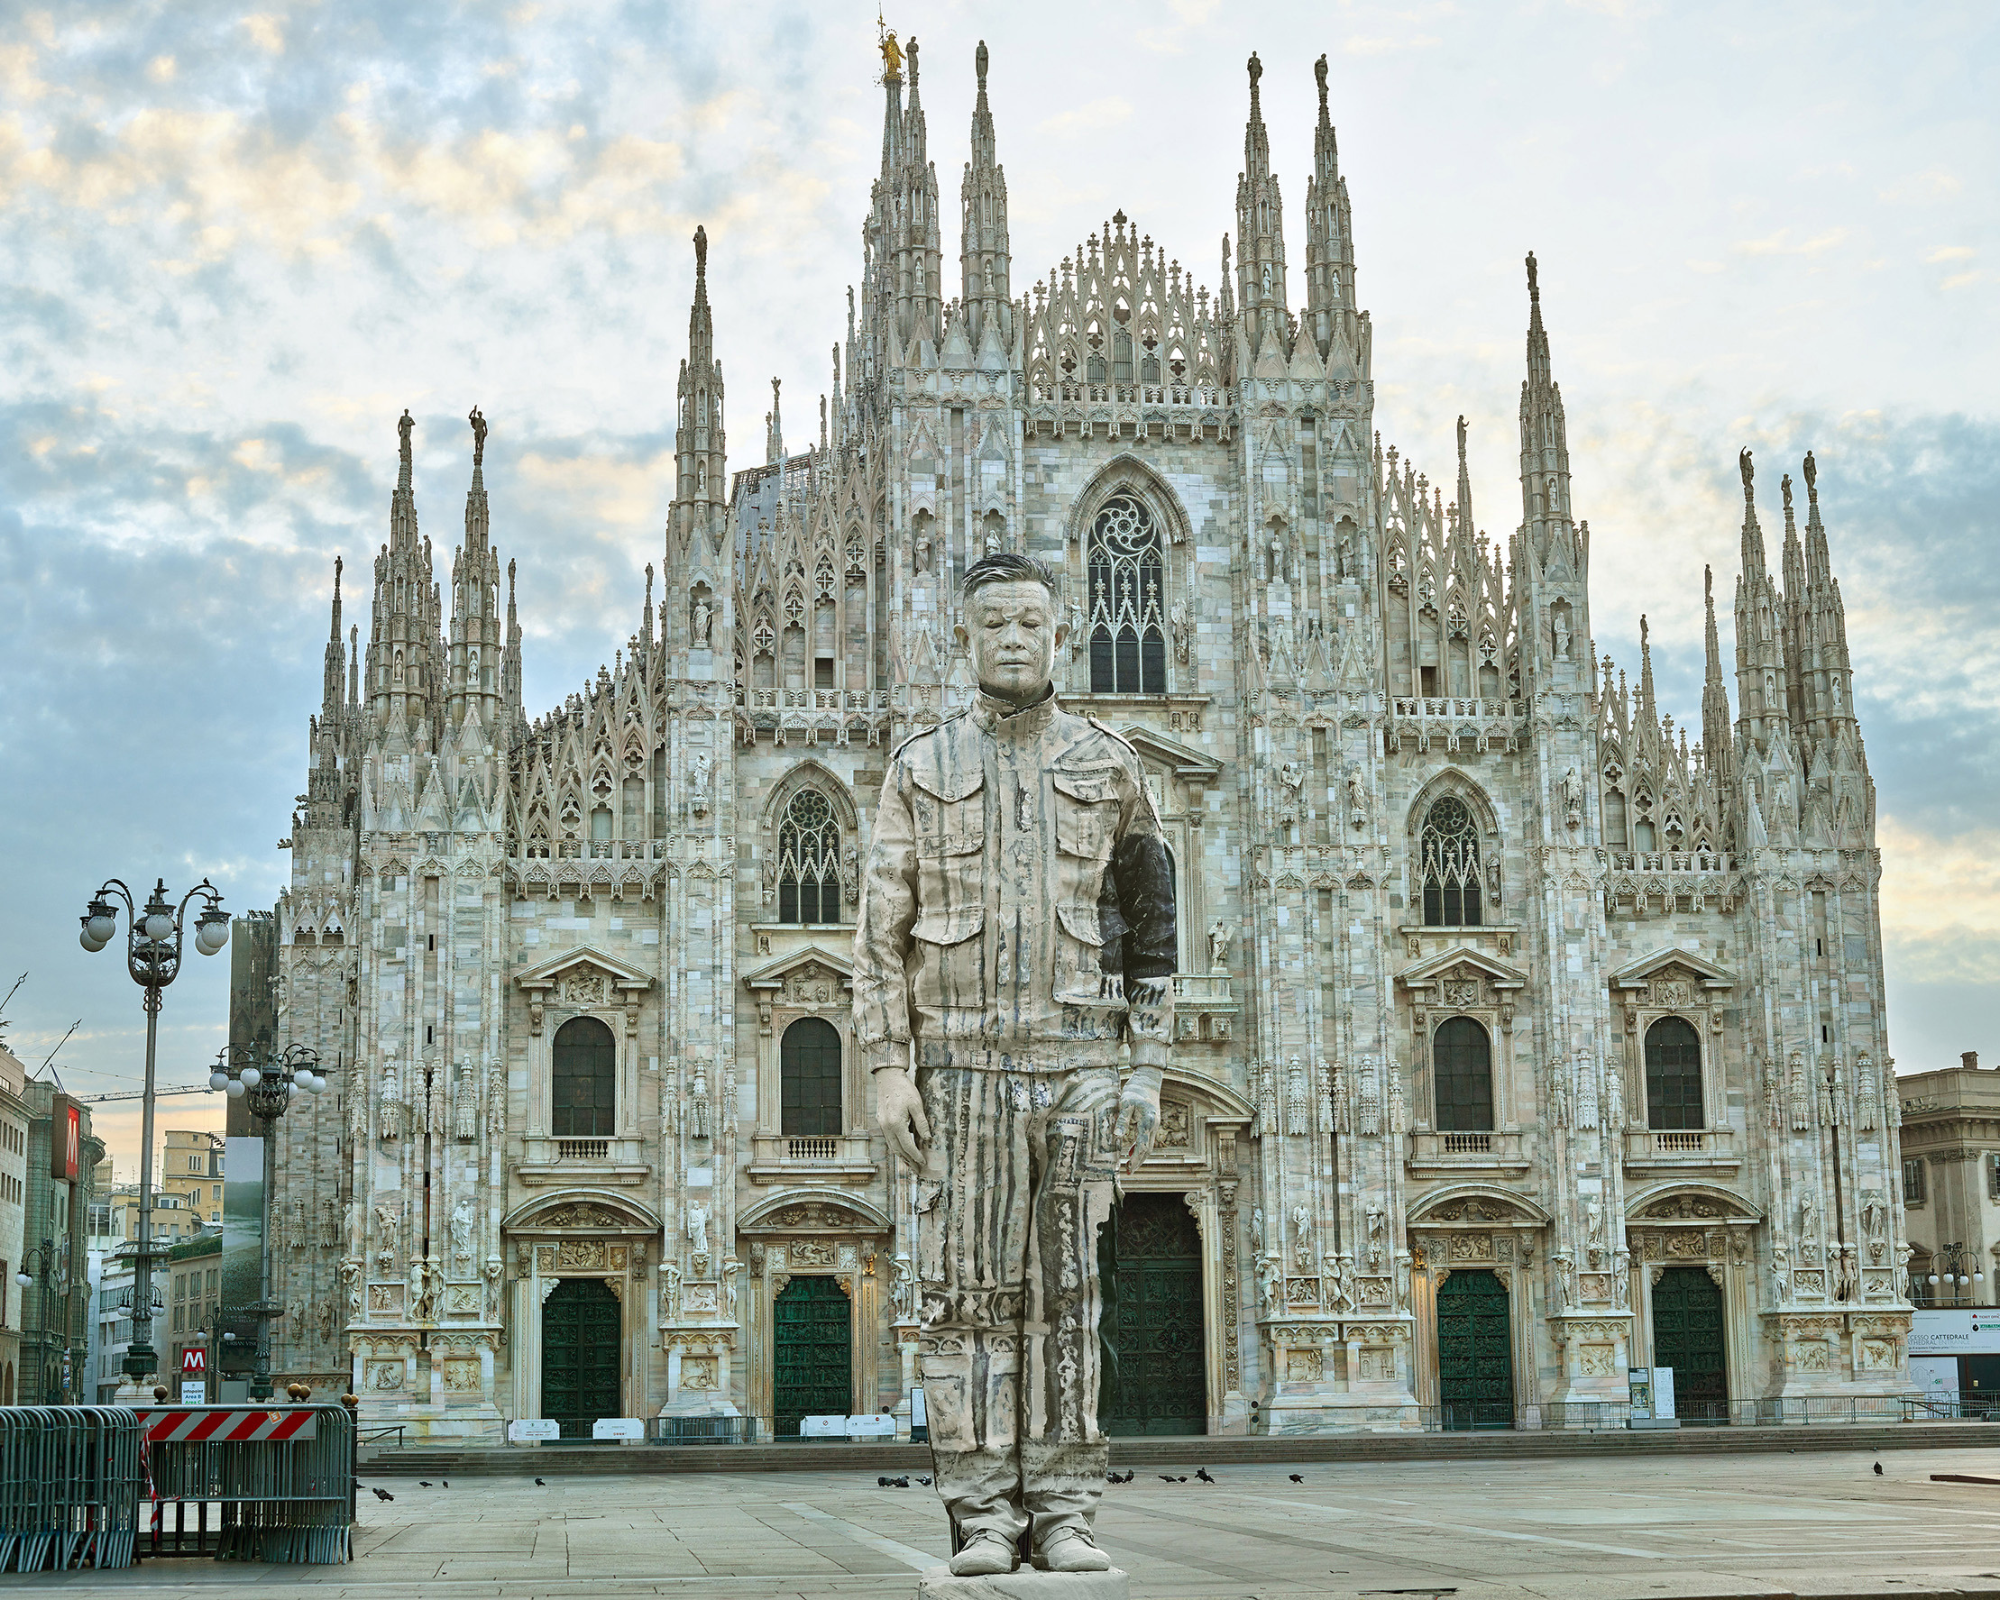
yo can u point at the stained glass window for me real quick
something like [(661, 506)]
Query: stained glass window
[(1128, 636), (809, 861), (1451, 865)]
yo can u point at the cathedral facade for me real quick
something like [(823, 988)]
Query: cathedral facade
[(1519, 1042)]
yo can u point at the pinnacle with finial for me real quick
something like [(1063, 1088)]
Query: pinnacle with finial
[(1744, 466), (478, 436), (1319, 76), (1534, 288)]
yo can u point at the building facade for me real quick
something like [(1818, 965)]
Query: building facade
[(14, 1120), (58, 1306), (1519, 1042), (1951, 1182), (191, 1171)]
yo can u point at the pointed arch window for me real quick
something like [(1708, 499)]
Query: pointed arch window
[(1451, 865), (809, 860), (1128, 638)]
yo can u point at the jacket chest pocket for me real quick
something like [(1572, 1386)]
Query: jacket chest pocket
[(948, 813), (1086, 814)]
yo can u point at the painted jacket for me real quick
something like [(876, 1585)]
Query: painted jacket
[(1017, 907)]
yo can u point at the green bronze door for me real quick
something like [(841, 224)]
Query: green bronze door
[(1687, 1336), (1475, 1352), (812, 1368), (1149, 1263), (580, 1355)]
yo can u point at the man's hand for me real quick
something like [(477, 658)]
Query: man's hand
[(1138, 1116), (899, 1112)]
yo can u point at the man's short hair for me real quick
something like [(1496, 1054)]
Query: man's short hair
[(1005, 566)]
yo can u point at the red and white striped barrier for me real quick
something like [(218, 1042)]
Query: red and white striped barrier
[(227, 1424)]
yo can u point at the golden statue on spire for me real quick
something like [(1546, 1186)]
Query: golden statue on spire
[(892, 53)]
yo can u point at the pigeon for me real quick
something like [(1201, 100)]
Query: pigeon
[(1181, 1479), (539, 1484), (881, 1483), (1878, 1469), (381, 1494), (1166, 1477), (423, 1483), (926, 1482), (1202, 1473), (447, 1483), (899, 1483), (1112, 1477), (1296, 1478)]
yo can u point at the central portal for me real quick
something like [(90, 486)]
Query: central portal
[(813, 1363), (1149, 1261), (580, 1347)]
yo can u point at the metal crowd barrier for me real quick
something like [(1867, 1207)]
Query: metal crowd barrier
[(69, 1479), (701, 1430), (1800, 1411), (280, 1478)]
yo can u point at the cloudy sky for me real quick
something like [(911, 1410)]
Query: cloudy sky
[(236, 242)]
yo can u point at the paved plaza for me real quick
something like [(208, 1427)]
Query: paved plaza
[(1814, 1523)]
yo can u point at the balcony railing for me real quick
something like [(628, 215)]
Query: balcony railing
[(1455, 706), (1679, 1146), (583, 1149), (812, 1147), (1467, 1144), (1669, 861)]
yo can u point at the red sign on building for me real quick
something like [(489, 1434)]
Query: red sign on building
[(66, 1141), (194, 1362)]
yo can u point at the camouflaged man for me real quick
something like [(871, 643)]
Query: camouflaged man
[(1015, 943)]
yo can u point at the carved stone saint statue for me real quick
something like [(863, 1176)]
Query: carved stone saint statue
[(1572, 791), (1220, 936), (704, 617), (461, 1231), (1021, 1087), (697, 1228)]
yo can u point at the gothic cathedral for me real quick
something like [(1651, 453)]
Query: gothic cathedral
[(1521, 1041)]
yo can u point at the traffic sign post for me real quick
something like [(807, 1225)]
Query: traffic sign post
[(194, 1376)]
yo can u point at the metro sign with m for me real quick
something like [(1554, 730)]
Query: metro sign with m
[(194, 1362)]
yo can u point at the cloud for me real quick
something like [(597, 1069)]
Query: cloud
[(1107, 112), (1383, 44), (1782, 244), (1950, 252)]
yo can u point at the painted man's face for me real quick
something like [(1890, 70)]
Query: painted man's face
[(1012, 632)]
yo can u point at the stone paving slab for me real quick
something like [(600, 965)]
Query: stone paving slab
[(1815, 1525)]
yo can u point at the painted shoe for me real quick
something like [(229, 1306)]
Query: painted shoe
[(987, 1555), (1070, 1550)]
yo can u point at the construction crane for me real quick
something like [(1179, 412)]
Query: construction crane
[(140, 1094)]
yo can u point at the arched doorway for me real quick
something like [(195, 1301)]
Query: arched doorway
[(580, 1351), (812, 1367), (1475, 1352), (1688, 1336), (1149, 1262)]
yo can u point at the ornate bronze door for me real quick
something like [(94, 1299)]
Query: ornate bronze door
[(1155, 1368), (580, 1347), (1687, 1336), (812, 1366), (1475, 1352)]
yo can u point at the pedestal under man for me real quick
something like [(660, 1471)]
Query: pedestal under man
[(1015, 943)]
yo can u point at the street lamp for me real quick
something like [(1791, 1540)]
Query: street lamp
[(38, 1266), (153, 957), (268, 1090), (1961, 1269)]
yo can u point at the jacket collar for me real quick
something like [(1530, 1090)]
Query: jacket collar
[(999, 716)]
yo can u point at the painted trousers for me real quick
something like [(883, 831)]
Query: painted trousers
[(1018, 1182)]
